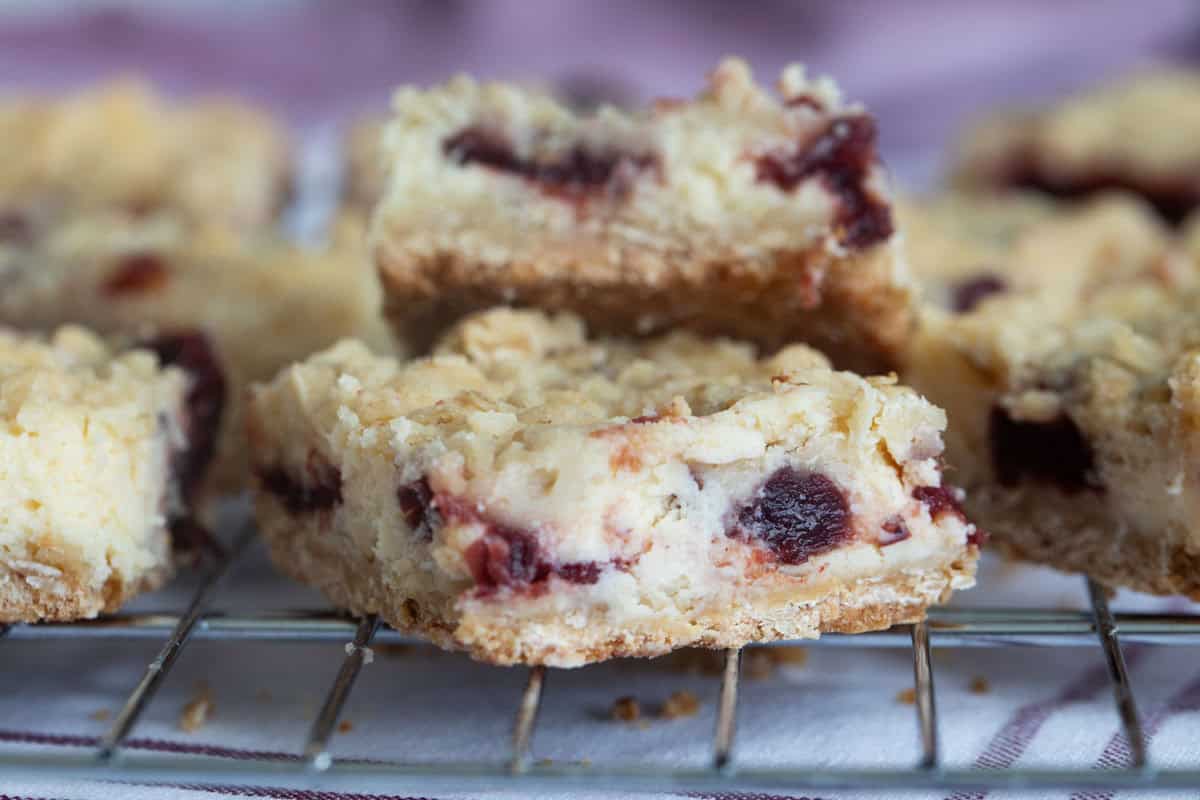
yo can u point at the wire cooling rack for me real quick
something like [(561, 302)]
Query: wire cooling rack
[(1098, 627)]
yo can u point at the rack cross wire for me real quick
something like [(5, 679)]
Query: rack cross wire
[(948, 627)]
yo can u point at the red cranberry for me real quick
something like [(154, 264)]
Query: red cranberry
[(579, 571), (968, 294), (894, 531), (578, 171), (842, 154), (797, 515), (645, 419), (939, 500), (139, 272), (506, 557), (205, 400), (319, 490), (415, 499), (1054, 452)]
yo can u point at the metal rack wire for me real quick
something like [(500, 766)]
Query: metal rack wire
[(948, 627)]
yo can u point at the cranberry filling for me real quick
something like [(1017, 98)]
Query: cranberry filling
[(968, 294), (578, 171), (1173, 199), (842, 154), (509, 558), (939, 500), (506, 557), (797, 515), (319, 490), (894, 532), (1053, 452), (579, 571), (205, 401), (415, 501), (139, 272)]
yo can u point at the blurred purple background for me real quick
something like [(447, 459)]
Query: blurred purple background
[(923, 66)]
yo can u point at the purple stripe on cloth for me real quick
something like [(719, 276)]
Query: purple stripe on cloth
[(1014, 738), (1116, 753), (156, 745), (279, 793), (748, 796)]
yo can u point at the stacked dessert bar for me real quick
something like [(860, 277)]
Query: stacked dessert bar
[(623, 440)]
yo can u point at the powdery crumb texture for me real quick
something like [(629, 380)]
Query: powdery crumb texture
[(739, 212), (532, 495), (88, 437)]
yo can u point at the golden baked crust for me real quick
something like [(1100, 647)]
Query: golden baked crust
[(738, 213), (354, 582)]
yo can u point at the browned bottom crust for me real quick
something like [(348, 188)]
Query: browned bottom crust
[(532, 633), (1143, 564), (64, 598), (848, 307)]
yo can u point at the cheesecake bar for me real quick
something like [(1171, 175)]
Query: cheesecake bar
[(120, 146), (1139, 134), (99, 451), (534, 496), (262, 302), (739, 213), (1071, 390)]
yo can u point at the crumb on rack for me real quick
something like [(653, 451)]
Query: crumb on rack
[(345, 726), (979, 685), (680, 704), (100, 714), (907, 696), (197, 710), (625, 709)]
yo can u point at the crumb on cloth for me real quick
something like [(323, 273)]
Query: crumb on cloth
[(625, 709), (680, 704), (197, 710)]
